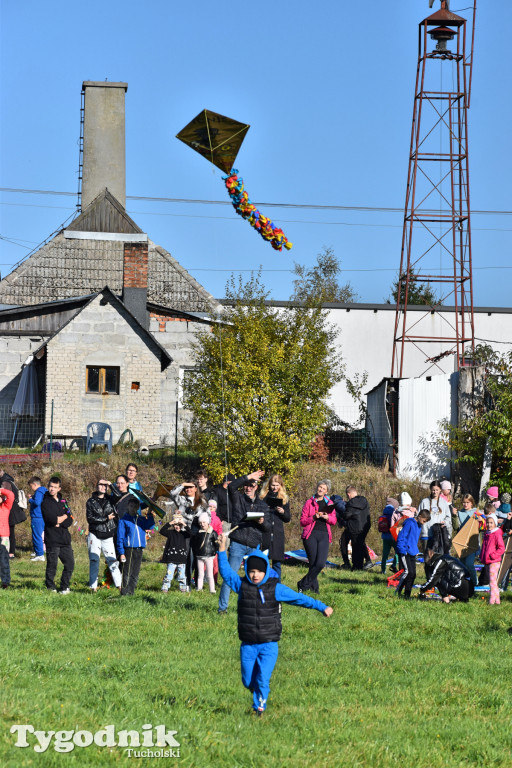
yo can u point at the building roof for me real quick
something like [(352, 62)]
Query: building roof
[(80, 261), (104, 214), (379, 307), (109, 297)]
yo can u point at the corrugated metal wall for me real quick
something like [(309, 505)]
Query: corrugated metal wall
[(423, 404)]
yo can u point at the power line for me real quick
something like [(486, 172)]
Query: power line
[(305, 206)]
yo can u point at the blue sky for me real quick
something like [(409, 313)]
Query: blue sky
[(327, 89)]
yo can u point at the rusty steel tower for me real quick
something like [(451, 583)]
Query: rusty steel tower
[(436, 241)]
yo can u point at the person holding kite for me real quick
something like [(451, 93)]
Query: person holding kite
[(260, 595)]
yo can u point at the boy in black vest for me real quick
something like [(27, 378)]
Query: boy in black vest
[(259, 618)]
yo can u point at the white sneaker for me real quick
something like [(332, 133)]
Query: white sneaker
[(64, 592), (37, 559)]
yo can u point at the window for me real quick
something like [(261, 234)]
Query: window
[(102, 381)]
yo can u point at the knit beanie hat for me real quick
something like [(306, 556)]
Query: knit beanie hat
[(255, 562), (493, 492), (505, 498), (494, 517), (446, 485), (393, 502), (405, 499)]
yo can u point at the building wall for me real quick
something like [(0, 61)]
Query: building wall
[(102, 336), (366, 344), (177, 337)]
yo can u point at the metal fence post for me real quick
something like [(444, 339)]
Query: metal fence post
[(176, 437), (51, 433)]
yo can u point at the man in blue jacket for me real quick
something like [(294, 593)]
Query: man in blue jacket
[(260, 595), (36, 517), (407, 548)]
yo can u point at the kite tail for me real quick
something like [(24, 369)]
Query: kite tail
[(246, 209)]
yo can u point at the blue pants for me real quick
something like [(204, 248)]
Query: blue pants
[(237, 553), (37, 524), (276, 565), (469, 562), (182, 579), (258, 661)]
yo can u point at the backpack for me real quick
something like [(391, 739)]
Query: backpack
[(22, 499), (383, 524)]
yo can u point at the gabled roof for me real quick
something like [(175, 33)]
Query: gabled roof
[(113, 300), (105, 214), (65, 268)]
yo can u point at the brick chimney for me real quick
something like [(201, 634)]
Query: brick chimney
[(135, 281), (104, 157)]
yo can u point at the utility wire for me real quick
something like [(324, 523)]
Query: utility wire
[(305, 206)]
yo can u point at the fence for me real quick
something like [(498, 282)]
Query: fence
[(22, 431), (350, 437)]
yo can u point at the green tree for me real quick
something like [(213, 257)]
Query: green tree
[(419, 292), (260, 383), (320, 283), (492, 421)]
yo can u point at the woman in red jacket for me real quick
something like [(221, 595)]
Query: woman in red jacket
[(491, 553), (318, 517)]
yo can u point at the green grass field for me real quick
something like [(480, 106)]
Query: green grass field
[(381, 683)]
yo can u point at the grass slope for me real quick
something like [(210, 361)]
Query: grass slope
[(382, 682)]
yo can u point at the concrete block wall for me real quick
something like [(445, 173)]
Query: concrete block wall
[(103, 336), (177, 337)]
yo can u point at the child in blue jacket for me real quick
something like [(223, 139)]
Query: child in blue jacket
[(36, 517), (131, 542), (259, 618), (407, 548)]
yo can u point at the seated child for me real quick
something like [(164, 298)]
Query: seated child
[(204, 547), (259, 618), (131, 542), (175, 552)]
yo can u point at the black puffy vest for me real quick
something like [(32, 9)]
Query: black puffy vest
[(259, 613)]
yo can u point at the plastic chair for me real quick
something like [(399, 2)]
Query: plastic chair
[(97, 432)]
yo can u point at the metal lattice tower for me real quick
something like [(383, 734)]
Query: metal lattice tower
[(436, 241)]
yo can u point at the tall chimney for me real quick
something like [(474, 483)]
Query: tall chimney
[(104, 141), (135, 281)]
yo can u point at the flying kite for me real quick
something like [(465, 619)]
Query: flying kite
[(218, 139)]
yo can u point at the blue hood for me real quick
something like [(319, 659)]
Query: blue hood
[(388, 510), (268, 570)]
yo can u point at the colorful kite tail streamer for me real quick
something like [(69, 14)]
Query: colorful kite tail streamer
[(247, 210)]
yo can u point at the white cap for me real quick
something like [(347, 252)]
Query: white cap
[(405, 499)]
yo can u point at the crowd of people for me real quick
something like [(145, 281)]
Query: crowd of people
[(215, 528), (252, 517)]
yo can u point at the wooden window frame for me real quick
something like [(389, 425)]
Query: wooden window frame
[(102, 379)]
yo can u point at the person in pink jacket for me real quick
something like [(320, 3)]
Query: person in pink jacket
[(6, 502), (318, 517), (491, 553)]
